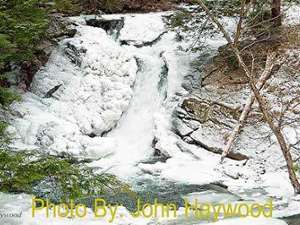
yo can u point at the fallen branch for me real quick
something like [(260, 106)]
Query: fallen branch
[(231, 155), (261, 82)]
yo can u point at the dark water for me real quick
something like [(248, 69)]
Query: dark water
[(292, 220), (165, 192)]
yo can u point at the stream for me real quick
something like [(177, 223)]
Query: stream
[(117, 90)]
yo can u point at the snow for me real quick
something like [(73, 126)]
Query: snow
[(95, 91), (103, 90), (249, 222), (292, 15), (185, 169), (146, 27), (149, 113), (274, 183)]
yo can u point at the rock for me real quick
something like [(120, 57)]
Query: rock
[(52, 91), (193, 124), (217, 150), (46, 134), (29, 68), (232, 174), (158, 155), (204, 110), (111, 26), (206, 123), (163, 78), (181, 128), (184, 148), (292, 220), (208, 136), (143, 44), (180, 112), (191, 82), (60, 27), (147, 33), (188, 140), (74, 53)]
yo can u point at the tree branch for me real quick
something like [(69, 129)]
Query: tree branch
[(262, 102)]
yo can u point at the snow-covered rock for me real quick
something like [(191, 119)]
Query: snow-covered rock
[(146, 27)]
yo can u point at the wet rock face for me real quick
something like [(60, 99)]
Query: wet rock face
[(163, 82), (182, 128), (111, 26), (196, 112), (74, 53), (292, 220), (191, 82), (158, 155), (143, 44), (50, 93), (59, 28)]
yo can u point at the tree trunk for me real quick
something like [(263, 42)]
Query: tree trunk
[(262, 102), (261, 82), (239, 26), (276, 12)]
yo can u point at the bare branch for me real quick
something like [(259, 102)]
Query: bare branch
[(239, 26), (262, 102), (261, 82)]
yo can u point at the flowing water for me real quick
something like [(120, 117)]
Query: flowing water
[(146, 124)]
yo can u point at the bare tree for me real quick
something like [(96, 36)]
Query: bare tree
[(247, 108), (243, 12), (276, 12), (262, 102)]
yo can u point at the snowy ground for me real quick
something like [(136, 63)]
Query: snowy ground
[(292, 15), (105, 86)]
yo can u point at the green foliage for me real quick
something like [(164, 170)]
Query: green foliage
[(180, 19), (7, 96), (4, 138), (6, 48), (296, 168), (3, 127), (110, 5), (24, 170), (22, 25), (67, 6), (224, 8)]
